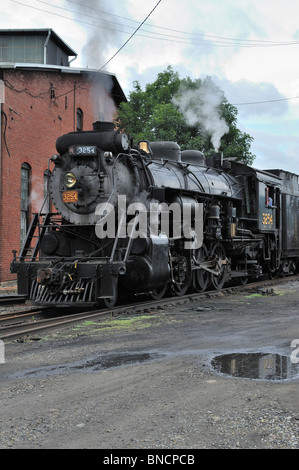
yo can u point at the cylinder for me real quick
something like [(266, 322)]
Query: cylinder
[(214, 212)]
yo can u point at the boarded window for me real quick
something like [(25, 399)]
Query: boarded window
[(79, 119), (25, 180)]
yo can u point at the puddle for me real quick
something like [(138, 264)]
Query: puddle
[(113, 360), (262, 366), (90, 365)]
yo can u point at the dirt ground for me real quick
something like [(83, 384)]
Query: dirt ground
[(147, 382)]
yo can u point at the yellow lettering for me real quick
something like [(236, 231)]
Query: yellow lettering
[(267, 219)]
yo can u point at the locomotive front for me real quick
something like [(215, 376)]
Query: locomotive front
[(86, 172), (74, 265)]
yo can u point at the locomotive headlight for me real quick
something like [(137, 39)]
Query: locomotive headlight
[(70, 179)]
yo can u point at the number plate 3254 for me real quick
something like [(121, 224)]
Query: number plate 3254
[(70, 196)]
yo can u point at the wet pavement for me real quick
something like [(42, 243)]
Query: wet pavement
[(219, 372)]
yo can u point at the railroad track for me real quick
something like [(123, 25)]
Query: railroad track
[(21, 325), (12, 299), (15, 316)]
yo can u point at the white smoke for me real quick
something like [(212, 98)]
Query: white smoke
[(102, 33), (104, 107), (102, 36), (200, 107), (37, 193)]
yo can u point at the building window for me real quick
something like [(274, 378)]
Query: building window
[(25, 182), (79, 119)]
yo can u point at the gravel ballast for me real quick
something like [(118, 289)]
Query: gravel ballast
[(146, 381)]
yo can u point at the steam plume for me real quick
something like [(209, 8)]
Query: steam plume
[(102, 35), (95, 51), (200, 107)]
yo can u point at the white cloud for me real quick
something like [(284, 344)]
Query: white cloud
[(200, 38), (276, 151), (264, 100)]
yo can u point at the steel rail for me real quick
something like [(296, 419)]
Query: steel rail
[(12, 299), (16, 331)]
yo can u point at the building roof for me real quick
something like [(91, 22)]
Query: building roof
[(41, 32), (116, 90), (48, 33)]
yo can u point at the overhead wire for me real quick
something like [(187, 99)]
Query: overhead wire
[(180, 31), (206, 40), (123, 45), (248, 41), (61, 16), (176, 30), (266, 101), (202, 35), (157, 4), (221, 42)]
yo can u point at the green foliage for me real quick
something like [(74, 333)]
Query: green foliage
[(156, 114)]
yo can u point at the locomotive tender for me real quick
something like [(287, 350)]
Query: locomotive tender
[(242, 222)]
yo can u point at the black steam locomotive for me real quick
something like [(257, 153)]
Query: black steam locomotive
[(153, 219)]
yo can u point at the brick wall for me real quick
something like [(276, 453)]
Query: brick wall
[(39, 107)]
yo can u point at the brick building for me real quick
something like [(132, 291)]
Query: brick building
[(41, 98)]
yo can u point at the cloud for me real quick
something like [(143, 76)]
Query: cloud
[(275, 144), (265, 95), (276, 151), (234, 51)]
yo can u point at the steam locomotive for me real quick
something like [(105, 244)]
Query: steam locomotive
[(153, 219)]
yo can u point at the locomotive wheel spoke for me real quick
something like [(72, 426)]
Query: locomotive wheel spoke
[(182, 276), (111, 302), (181, 289), (218, 253), (243, 280), (200, 277), (158, 293)]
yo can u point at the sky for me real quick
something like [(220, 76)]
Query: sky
[(249, 48)]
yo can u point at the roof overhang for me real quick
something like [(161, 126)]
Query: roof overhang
[(116, 91)]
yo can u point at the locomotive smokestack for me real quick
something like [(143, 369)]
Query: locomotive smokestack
[(215, 160), (102, 126)]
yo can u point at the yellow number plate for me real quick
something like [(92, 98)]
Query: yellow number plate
[(267, 219), (70, 196)]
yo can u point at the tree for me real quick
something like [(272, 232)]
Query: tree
[(193, 113)]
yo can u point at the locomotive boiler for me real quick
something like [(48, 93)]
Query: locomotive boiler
[(153, 219)]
